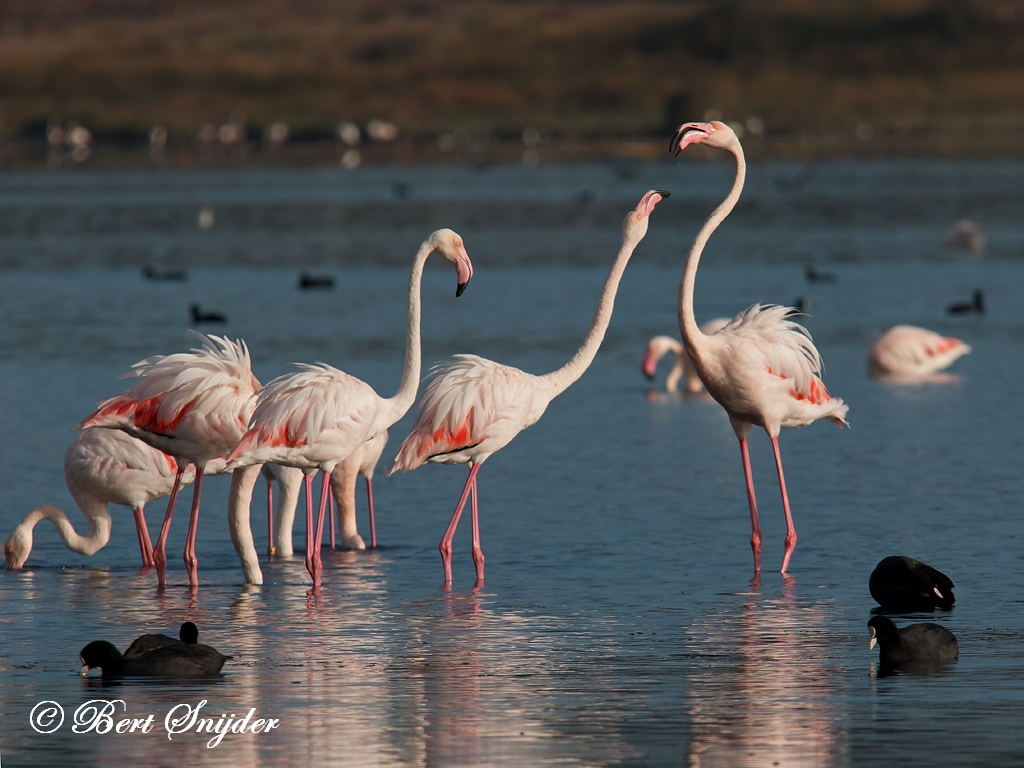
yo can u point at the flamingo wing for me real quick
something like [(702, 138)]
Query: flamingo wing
[(909, 350), (316, 408), (470, 403)]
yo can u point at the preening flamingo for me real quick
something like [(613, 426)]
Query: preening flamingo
[(473, 407), (762, 367), (906, 351), (102, 467), (192, 405), (659, 346), (318, 416)]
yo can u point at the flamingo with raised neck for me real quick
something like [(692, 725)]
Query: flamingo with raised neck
[(473, 407), (762, 367)]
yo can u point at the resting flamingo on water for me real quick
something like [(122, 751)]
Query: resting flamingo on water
[(192, 405), (102, 467), (762, 367), (909, 352), (473, 407), (659, 346), (318, 416)]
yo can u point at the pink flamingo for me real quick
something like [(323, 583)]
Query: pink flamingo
[(659, 346), (909, 352), (192, 405), (318, 416), (762, 367), (473, 407), (102, 467)]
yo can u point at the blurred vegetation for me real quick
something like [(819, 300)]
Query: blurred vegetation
[(828, 77)]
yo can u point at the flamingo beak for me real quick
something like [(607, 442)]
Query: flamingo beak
[(690, 133), (11, 561), (648, 365), (874, 640), (464, 268), (650, 200)]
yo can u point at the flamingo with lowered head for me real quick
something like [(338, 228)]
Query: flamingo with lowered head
[(762, 367), (473, 407), (192, 405), (659, 346), (318, 416), (102, 467), (909, 352)]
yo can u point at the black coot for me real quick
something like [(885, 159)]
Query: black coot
[(918, 642), (188, 633), (174, 658), (902, 584)]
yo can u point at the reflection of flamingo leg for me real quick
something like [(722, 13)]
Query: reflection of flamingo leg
[(191, 562), (446, 541), (755, 526), (478, 554), (307, 479), (369, 501), (325, 488), (160, 551), (145, 545), (790, 528), (271, 549)]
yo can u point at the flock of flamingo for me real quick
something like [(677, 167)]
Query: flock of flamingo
[(200, 412)]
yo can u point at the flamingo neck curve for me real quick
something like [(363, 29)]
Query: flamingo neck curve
[(693, 337), (564, 377)]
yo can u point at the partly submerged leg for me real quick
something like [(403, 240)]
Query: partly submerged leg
[(325, 487), (191, 562), (307, 479), (343, 486), (478, 554), (331, 505), (369, 502), (446, 541), (271, 549), (755, 526), (790, 528), (145, 545), (160, 551)]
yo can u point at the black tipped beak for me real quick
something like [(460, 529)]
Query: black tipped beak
[(648, 376), (663, 193), (461, 288)]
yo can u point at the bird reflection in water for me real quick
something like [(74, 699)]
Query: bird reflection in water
[(765, 695)]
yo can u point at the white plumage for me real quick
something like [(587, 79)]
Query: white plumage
[(906, 351)]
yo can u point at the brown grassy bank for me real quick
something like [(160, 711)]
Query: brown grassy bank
[(826, 77)]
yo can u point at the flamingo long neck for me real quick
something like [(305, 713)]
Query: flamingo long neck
[(692, 335), (564, 377), (395, 407), (96, 513)]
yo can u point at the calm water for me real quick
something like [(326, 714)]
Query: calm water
[(618, 625)]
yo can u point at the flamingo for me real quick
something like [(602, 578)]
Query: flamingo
[(762, 367), (906, 351), (192, 405), (316, 417), (659, 346), (102, 467), (473, 407)]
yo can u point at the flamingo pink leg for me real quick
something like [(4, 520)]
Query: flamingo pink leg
[(478, 554), (145, 545), (191, 562), (369, 502), (160, 551), (446, 542), (325, 489), (271, 549), (790, 528), (330, 504), (755, 526), (308, 480)]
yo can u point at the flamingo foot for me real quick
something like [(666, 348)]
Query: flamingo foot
[(354, 542)]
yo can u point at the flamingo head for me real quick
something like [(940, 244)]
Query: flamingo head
[(714, 134), (657, 347), (450, 245), (635, 225), (16, 549)]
